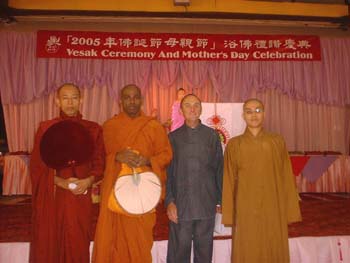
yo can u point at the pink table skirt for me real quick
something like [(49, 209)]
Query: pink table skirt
[(16, 179), (335, 179)]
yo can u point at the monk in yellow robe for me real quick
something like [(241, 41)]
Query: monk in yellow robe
[(136, 140), (259, 192)]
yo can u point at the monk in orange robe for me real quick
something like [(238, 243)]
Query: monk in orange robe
[(62, 217), (136, 140), (259, 192)]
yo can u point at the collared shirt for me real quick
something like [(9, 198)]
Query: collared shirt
[(194, 181)]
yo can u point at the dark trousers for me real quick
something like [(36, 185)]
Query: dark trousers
[(180, 240)]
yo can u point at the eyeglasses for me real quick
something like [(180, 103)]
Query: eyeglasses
[(251, 111)]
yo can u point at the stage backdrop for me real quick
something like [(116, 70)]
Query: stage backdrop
[(225, 118), (305, 101)]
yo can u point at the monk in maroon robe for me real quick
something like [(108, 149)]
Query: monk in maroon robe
[(62, 214)]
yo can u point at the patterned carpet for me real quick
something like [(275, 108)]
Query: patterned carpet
[(323, 215)]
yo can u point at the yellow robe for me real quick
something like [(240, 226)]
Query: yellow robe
[(121, 238), (259, 197)]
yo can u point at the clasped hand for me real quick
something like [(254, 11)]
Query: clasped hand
[(81, 184), (131, 158)]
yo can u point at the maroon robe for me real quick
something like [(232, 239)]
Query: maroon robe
[(61, 220)]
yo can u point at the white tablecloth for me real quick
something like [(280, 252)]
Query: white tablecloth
[(335, 249)]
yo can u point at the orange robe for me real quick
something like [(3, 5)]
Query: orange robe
[(62, 221), (259, 197), (121, 238)]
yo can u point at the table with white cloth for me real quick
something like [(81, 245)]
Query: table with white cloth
[(328, 249)]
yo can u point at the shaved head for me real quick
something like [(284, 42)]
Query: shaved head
[(65, 85), (130, 86), (255, 100)]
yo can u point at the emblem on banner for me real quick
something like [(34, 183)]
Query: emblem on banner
[(217, 123), (53, 44)]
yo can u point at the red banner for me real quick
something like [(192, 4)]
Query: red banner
[(175, 46)]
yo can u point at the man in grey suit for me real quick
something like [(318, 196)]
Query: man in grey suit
[(194, 186)]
